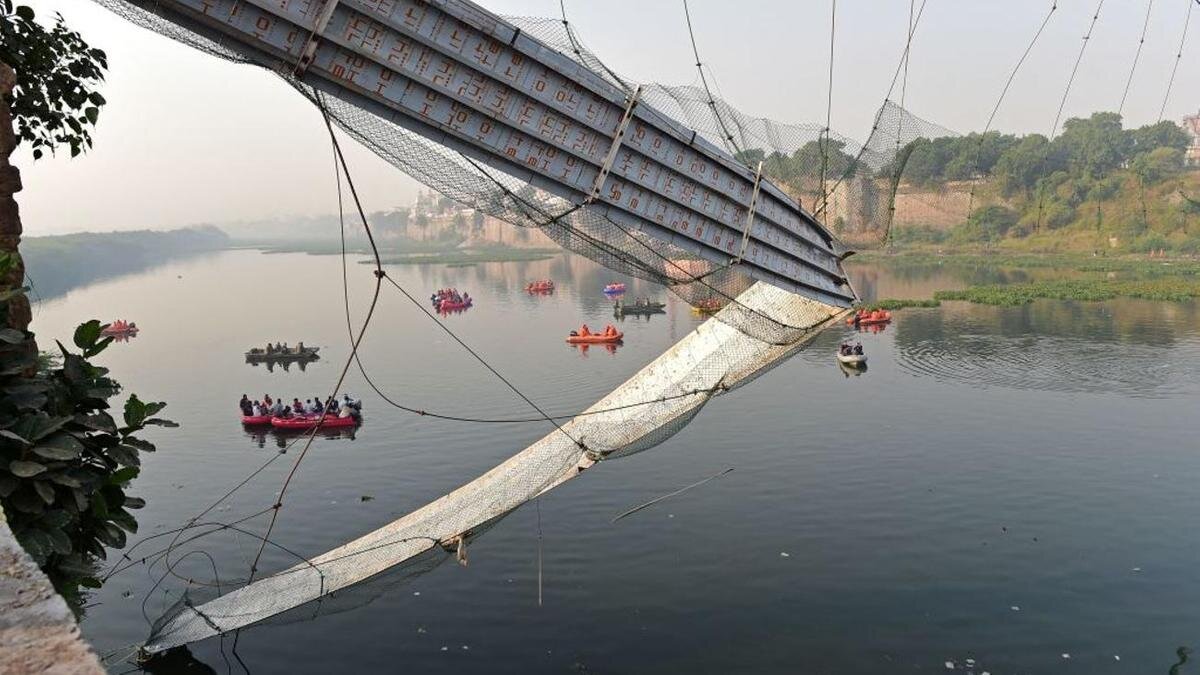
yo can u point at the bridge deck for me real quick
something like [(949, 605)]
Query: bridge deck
[(463, 77)]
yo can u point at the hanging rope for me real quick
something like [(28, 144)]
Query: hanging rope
[(850, 170), (379, 276), (727, 137), (1075, 70), (1178, 55), (1136, 56), (1000, 99), (1087, 38), (829, 104)]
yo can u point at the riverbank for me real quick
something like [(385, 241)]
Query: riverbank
[(57, 264)]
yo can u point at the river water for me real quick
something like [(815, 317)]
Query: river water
[(1009, 490)]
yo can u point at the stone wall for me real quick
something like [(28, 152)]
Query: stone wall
[(38, 633)]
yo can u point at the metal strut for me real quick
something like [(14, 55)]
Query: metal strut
[(749, 216), (310, 47), (616, 145)]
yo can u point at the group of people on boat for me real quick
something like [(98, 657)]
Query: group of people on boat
[(863, 316), (540, 286), (848, 349), (450, 298), (269, 407), (283, 348), (584, 331), (637, 302)]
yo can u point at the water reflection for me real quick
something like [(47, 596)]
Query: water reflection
[(1136, 348), (285, 365), (610, 347), (281, 438), (849, 370)]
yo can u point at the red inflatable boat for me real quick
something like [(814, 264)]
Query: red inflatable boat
[(451, 306), (256, 420), (869, 318), (310, 421)]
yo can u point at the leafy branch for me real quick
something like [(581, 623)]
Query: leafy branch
[(55, 102)]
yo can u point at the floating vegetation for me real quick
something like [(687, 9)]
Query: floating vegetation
[(892, 304), (1175, 288)]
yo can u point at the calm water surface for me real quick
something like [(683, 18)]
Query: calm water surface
[(1003, 487)]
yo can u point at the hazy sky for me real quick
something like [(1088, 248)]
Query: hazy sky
[(187, 138)]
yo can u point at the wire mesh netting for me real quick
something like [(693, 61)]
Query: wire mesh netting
[(859, 203), (755, 326)]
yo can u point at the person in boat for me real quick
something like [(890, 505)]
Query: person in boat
[(285, 411), (858, 350), (352, 403), (300, 347), (332, 405), (584, 331), (297, 406), (256, 409), (245, 405), (266, 399), (278, 408)]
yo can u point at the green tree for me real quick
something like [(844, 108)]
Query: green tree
[(1022, 165), (55, 102), (1158, 164), (1096, 145), (1161, 135)]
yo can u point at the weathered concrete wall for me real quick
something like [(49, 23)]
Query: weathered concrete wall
[(38, 633)]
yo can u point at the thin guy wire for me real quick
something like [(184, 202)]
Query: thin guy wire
[(1179, 55)]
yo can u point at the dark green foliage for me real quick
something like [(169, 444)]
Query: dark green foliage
[(55, 102), (65, 462), (987, 224), (1158, 164)]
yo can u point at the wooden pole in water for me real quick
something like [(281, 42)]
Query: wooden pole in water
[(18, 315)]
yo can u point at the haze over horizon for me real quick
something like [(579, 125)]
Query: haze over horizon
[(187, 138)]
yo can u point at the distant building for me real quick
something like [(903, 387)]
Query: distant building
[(1191, 124)]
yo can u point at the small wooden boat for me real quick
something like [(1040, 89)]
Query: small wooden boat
[(310, 421), (623, 309), (256, 420), (292, 354), (852, 360), (595, 339)]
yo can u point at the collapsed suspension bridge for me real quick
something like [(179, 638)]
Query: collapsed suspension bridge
[(493, 115)]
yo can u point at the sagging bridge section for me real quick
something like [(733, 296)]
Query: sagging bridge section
[(463, 77)]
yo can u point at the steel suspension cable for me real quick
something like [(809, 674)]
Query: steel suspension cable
[(1000, 100), (829, 103), (1136, 56), (1178, 56), (727, 137)]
